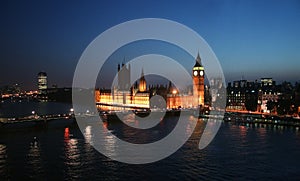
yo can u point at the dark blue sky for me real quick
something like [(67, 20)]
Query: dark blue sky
[(253, 39)]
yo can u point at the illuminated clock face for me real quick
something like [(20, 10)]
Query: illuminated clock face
[(195, 73), (201, 72)]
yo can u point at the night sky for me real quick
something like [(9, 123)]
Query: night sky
[(252, 39)]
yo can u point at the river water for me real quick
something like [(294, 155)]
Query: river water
[(58, 150)]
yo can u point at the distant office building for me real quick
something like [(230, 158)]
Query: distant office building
[(42, 86), (266, 82), (253, 96), (267, 93), (242, 95), (42, 82), (10, 89)]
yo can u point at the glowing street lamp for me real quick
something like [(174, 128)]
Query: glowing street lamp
[(71, 111)]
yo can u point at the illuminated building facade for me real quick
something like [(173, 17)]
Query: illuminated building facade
[(42, 82), (142, 84), (140, 95), (189, 100), (267, 93), (198, 82), (42, 86), (124, 95), (242, 95)]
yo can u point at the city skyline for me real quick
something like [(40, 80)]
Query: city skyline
[(251, 39)]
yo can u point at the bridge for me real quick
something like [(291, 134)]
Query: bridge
[(35, 118)]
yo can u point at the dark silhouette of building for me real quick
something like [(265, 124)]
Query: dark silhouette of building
[(59, 94)]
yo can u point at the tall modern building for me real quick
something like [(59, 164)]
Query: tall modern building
[(42, 82)]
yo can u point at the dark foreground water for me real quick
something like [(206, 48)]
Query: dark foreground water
[(59, 150)]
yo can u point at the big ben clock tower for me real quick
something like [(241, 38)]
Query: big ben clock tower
[(198, 82)]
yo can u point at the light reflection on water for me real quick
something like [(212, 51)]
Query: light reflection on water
[(3, 157), (72, 154), (88, 134), (34, 159), (238, 151), (110, 144)]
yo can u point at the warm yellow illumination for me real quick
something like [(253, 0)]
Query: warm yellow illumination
[(198, 68), (139, 96)]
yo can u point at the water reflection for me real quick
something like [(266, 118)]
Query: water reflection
[(191, 124), (89, 141), (34, 159), (72, 154), (243, 132), (88, 134), (71, 149), (110, 140), (238, 151), (110, 144), (3, 157)]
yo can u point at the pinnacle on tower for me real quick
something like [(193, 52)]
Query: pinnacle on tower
[(198, 61)]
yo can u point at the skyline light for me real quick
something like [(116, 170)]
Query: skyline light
[(251, 39)]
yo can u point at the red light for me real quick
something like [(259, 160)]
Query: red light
[(105, 125), (66, 135)]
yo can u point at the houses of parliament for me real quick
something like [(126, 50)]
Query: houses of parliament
[(139, 95)]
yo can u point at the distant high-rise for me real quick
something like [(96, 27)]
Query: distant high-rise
[(42, 82), (266, 82)]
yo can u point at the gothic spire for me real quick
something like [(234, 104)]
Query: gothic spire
[(198, 61)]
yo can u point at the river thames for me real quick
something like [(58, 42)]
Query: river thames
[(58, 150)]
